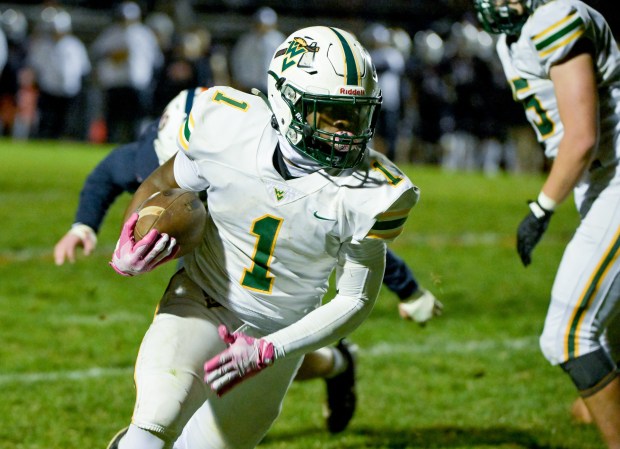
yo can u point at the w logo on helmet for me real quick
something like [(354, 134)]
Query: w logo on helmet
[(298, 46)]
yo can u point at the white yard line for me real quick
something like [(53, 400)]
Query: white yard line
[(465, 239), (381, 349), (453, 347), (52, 376), (38, 253)]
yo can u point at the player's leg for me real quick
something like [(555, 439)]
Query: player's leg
[(579, 409), (323, 363), (336, 365), (242, 416), (169, 368), (604, 406), (585, 297), (341, 400)]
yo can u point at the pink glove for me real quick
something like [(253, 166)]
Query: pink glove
[(131, 257), (244, 358)]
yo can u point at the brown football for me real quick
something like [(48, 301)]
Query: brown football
[(176, 212)]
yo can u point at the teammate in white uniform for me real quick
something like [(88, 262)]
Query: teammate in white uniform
[(563, 64), (293, 194)]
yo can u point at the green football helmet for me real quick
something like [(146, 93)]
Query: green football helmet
[(323, 75), (497, 16)]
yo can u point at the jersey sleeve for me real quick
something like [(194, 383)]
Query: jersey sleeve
[(390, 223), (555, 30), (222, 120), (383, 209), (187, 174)]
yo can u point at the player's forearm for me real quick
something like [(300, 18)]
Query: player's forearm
[(575, 86), (358, 284), (568, 167), (329, 323)]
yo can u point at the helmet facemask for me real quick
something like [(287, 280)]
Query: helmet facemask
[(501, 16), (354, 119)]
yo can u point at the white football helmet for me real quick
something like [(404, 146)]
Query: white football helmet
[(326, 74)]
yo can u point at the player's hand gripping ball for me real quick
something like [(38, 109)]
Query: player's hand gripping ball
[(176, 212)]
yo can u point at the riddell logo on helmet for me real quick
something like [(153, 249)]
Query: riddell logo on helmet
[(351, 91)]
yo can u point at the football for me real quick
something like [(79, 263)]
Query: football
[(176, 212)]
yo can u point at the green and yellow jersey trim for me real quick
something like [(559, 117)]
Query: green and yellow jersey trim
[(559, 34), (571, 343), (389, 225), (185, 132)]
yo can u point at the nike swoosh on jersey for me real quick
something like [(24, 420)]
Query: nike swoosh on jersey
[(316, 214)]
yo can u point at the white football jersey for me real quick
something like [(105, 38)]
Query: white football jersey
[(549, 35), (271, 244)]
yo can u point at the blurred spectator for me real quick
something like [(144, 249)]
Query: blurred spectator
[(127, 55), (15, 27), (460, 143), (26, 119), (498, 147), (192, 62), (60, 63), (163, 27), (479, 138), (432, 95), (4, 57), (253, 51), (4, 51), (390, 65)]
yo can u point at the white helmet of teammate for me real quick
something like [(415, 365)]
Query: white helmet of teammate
[(324, 73), (171, 121)]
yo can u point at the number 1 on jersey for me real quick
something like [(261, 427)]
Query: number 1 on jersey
[(221, 97), (258, 278)]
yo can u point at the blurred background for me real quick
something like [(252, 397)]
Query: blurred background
[(99, 71)]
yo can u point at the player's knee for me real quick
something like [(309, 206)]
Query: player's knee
[(158, 406), (552, 351), (591, 372)]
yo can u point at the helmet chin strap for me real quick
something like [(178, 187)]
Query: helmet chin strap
[(298, 165)]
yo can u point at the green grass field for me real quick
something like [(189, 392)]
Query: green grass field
[(474, 378)]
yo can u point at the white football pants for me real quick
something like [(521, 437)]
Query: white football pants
[(171, 396), (585, 296)]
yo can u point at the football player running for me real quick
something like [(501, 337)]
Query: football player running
[(293, 194), (124, 168), (563, 64)]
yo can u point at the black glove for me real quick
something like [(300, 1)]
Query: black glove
[(531, 230)]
